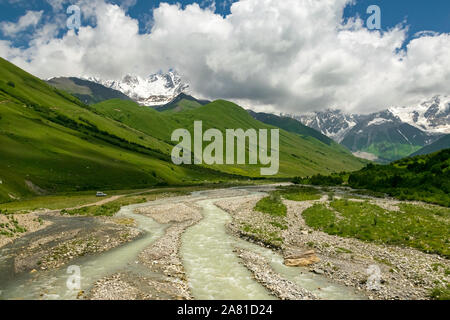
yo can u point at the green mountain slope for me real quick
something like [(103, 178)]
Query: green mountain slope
[(425, 178), (51, 142), (299, 155), (441, 144), (389, 140)]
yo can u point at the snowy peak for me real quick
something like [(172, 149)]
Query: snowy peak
[(332, 123), (432, 115), (387, 135), (157, 89)]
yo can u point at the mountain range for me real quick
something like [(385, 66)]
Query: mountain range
[(384, 136), (155, 90), (52, 142), (388, 135)]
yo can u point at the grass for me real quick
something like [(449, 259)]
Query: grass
[(440, 293), (261, 234), (343, 250), (272, 205), (51, 202), (270, 231), (424, 228), (111, 208), (75, 199), (11, 227), (299, 193), (391, 151), (424, 178), (299, 155), (182, 105), (54, 142)]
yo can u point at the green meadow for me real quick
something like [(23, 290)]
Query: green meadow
[(51, 143)]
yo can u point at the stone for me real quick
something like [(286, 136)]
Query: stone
[(318, 271), (297, 254), (301, 259)]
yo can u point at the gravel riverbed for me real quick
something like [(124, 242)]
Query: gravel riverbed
[(167, 277), (400, 273), (52, 241), (272, 281)]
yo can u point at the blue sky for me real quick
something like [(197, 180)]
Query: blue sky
[(419, 15)]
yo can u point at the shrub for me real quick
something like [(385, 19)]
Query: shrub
[(272, 205)]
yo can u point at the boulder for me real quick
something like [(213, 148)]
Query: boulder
[(301, 259)]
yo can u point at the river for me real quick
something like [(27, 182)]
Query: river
[(213, 269)]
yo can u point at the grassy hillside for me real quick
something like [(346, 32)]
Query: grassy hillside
[(51, 142), (441, 144), (425, 178), (299, 155), (388, 151), (87, 91), (389, 141)]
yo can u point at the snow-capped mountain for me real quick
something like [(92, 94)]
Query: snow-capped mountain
[(157, 89), (432, 115), (332, 123), (387, 135)]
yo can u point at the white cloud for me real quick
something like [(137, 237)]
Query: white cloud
[(288, 56), (30, 19)]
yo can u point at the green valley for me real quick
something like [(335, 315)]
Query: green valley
[(51, 142)]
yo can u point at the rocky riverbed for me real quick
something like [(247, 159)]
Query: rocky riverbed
[(162, 260), (376, 271), (398, 272), (14, 226), (64, 239), (272, 281)]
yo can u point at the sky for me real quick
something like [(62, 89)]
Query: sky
[(290, 56)]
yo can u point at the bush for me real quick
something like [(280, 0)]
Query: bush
[(425, 178), (272, 205), (299, 193), (297, 180), (321, 180)]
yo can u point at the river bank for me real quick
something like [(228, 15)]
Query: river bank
[(161, 259), (401, 273), (211, 244)]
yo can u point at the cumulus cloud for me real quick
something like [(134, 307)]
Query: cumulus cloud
[(30, 19), (286, 56)]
